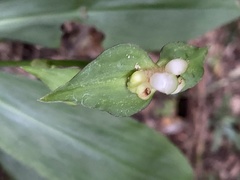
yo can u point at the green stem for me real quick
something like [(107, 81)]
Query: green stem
[(14, 63), (63, 63)]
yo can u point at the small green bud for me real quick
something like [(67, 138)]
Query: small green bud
[(135, 80), (144, 91), (139, 84)]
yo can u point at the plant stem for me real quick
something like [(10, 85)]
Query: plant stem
[(63, 63), (14, 63)]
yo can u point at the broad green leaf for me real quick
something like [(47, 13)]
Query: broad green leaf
[(37, 21), (52, 77), (193, 55), (103, 83), (60, 142), (150, 24)]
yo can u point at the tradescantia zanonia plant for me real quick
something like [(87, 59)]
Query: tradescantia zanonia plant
[(123, 79)]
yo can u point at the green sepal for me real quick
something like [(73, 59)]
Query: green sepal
[(193, 55)]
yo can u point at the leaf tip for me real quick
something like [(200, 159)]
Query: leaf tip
[(43, 99), (47, 98)]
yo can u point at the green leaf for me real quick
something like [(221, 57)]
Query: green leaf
[(152, 24), (102, 84), (193, 55), (59, 142), (37, 21), (52, 77)]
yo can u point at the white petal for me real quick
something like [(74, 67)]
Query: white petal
[(176, 66), (180, 87), (164, 82)]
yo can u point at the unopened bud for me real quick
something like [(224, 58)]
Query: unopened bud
[(164, 82), (176, 66)]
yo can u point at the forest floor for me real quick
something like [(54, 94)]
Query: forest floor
[(203, 122)]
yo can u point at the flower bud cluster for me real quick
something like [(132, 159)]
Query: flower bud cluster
[(168, 80)]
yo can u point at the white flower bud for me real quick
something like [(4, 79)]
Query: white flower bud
[(164, 82), (176, 66)]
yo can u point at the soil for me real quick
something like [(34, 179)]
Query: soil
[(197, 121)]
